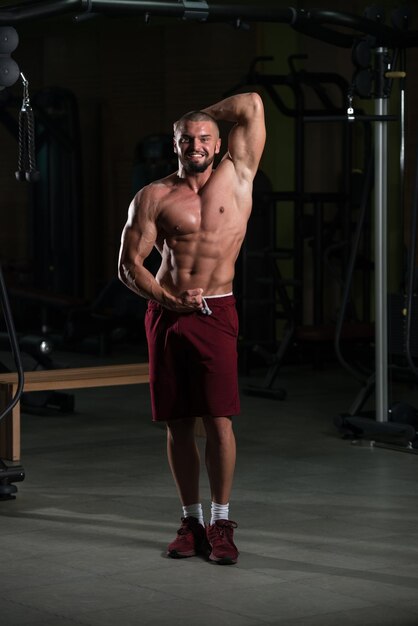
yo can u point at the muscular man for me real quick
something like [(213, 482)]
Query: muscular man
[(197, 218)]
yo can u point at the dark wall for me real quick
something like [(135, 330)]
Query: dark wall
[(130, 80)]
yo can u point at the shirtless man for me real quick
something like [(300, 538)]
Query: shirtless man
[(197, 218)]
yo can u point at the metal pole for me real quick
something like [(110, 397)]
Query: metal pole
[(380, 212)]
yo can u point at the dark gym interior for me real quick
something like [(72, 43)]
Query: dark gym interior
[(326, 286)]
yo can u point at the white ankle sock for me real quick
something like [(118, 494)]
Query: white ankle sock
[(219, 511), (194, 510)]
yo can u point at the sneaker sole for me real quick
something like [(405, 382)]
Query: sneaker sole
[(222, 561), (173, 554)]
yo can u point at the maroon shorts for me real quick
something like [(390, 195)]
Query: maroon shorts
[(193, 361)]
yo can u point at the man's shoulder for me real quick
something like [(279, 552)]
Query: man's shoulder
[(147, 201), (156, 189), (159, 187)]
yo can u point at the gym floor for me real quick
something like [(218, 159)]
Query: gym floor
[(327, 530)]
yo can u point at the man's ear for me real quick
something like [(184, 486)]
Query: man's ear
[(218, 146), (174, 145)]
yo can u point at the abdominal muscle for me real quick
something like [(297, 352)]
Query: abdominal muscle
[(200, 235), (193, 263)]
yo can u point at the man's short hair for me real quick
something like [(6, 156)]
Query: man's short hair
[(194, 116)]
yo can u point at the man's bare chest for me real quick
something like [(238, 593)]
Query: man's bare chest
[(191, 213)]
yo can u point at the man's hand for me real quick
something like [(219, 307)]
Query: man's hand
[(189, 301), (192, 298)]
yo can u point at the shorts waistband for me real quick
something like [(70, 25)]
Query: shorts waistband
[(219, 295), (220, 300)]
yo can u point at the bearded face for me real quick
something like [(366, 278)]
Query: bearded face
[(196, 144), (195, 163)]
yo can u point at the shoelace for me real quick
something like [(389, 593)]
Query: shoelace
[(184, 529), (228, 525)]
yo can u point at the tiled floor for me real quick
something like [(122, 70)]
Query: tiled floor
[(328, 531)]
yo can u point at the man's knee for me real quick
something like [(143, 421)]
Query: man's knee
[(218, 429)]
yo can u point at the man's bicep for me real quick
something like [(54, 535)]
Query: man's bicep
[(139, 234), (139, 241)]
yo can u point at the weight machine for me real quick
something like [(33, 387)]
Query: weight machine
[(308, 220)]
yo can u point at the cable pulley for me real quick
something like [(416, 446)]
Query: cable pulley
[(9, 69)]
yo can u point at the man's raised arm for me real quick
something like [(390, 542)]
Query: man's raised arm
[(247, 138)]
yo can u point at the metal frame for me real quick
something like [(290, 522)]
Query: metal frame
[(316, 23)]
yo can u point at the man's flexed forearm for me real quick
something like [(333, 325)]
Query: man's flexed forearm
[(237, 108)]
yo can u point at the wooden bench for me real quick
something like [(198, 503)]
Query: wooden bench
[(44, 380)]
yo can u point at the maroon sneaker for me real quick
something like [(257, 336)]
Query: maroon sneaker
[(190, 540), (220, 537)]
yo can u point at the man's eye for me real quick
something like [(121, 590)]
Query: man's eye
[(184, 140)]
